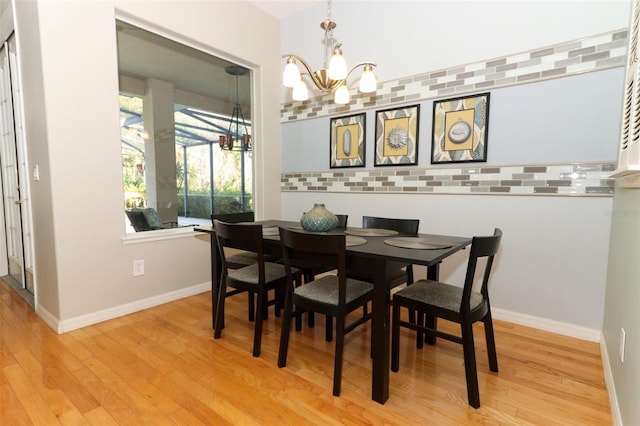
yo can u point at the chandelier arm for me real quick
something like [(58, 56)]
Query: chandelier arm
[(312, 75), (353, 68)]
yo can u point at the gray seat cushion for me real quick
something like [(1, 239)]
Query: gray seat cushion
[(438, 294), (249, 274), (325, 290)]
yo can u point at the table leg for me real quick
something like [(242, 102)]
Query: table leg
[(380, 333), (216, 267), (433, 273)]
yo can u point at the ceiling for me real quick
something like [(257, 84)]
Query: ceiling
[(143, 54), (284, 9)]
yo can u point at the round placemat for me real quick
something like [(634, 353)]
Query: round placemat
[(270, 231), (355, 241), (371, 232), (417, 243)]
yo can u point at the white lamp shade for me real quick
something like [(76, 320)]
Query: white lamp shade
[(342, 95), (368, 81), (337, 67), (291, 75), (300, 91)]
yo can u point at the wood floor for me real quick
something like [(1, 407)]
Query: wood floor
[(162, 366)]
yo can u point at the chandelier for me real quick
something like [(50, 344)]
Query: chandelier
[(333, 77), (234, 141)]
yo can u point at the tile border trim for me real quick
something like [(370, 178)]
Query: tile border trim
[(571, 179)]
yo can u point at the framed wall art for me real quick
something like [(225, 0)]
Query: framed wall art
[(347, 141), (460, 129), (397, 136)]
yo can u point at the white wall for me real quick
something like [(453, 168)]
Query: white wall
[(411, 37), (6, 19), (69, 64), (548, 267), (553, 263), (621, 307)]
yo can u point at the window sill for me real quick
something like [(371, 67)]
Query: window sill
[(160, 235)]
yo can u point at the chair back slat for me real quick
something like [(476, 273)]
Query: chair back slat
[(240, 236), (234, 217), (303, 249), (342, 221), (481, 247), (403, 226)]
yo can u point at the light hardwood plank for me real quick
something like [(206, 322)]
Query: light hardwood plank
[(11, 410), (46, 385), (162, 366), (100, 417), (33, 403)]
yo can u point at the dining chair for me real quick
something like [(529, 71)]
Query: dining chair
[(342, 221), (401, 273), (237, 259), (333, 295), (403, 226), (258, 278), (462, 305), (310, 272), (234, 217)]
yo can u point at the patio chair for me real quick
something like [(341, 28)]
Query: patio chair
[(147, 219)]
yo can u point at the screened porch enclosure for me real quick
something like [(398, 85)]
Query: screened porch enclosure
[(208, 179)]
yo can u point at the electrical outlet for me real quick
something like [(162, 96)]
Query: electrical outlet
[(138, 268), (623, 338)]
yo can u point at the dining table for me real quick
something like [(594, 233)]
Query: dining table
[(377, 252)]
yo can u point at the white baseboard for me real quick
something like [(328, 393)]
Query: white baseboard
[(552, 326), (48, 318), (616, 418), (570, 330), (118, 311)]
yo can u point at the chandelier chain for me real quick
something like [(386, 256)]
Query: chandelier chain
[(329, 42)]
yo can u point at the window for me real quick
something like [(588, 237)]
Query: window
[(175, 103)]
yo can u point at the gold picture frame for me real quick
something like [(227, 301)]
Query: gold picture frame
[(348, 141)]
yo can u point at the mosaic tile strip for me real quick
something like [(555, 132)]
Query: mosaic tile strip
[(584, 179), (590, 54)]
